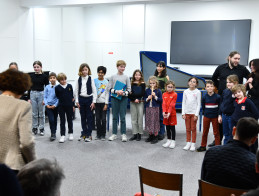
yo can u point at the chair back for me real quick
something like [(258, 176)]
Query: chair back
[(160, 180), (208, 189)]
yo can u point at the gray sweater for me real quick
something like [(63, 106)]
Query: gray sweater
[(122, 78), (16, 141)]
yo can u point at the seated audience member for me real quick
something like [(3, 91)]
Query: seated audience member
[(16, 141), (256, 191), (41, 177), (9, 184), (232, 165)]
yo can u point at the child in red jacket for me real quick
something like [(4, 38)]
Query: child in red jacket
[(169, 113)]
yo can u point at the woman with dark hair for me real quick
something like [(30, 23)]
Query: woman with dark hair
[(252, 83), (16, 141)]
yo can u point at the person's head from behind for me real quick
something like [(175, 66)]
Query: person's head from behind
[(121, 65), (239, 90), (254, 65), (169, 86), (209, 86), (15, 81), (52, 78), (231, 81), (41, 177), (101, 71), (13, 65), (193, 82), (84, 70), (62, 78), (234, 58), (153, 82), (246, 131), (160, 69), (37, 66)]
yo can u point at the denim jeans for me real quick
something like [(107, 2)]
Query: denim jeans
[(162, 126), (86, 115), (119, 108), (227, 128), (38, 110), (52, 115)]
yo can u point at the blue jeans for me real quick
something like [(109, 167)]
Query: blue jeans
[(162, 126), (227, 128), (38, 110), (52, 115), (86, 115), (119, 108)]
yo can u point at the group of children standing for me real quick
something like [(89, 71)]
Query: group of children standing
[(158, 100)]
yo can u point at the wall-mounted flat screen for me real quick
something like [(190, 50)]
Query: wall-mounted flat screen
[(209, 42)]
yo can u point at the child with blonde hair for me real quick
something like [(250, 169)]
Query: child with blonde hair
[(153, 99)]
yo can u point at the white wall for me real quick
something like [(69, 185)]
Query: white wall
[(159, 17), (16, 35)]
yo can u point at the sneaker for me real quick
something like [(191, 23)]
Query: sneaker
[(150, 138), (88, 139), (70, 137), (62, 139), (155, 140), (35, 131), (161, 137), (82, 137), (124, 138), (134, 137), (52, 137), (112, 137), (103, 138), (172, 145), (97, 138), (42, 132), (187, 146), (167, 144), (192, 147), (212, 144), (201, 149), (138, 137)]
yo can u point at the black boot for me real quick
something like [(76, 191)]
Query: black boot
[(138, 137), (149, 139), (155, 140), (134, 137), (212, 144), (35, 131)]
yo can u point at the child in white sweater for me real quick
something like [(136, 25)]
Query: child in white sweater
[(190, 111)]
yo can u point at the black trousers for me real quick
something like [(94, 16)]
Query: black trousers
[(100, 116), (65, 111), (170, 130)]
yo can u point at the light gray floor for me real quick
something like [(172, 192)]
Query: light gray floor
[(110, 168)]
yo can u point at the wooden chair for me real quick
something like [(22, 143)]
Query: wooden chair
[(208, 189), (160, 180)]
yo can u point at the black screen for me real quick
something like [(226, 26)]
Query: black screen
[(209, 42)]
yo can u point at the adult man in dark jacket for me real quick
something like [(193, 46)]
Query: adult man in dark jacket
[(232, 165)]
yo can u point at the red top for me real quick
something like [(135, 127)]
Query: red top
[(168, 105)]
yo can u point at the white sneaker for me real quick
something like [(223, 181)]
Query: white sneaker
[(70, 137), (62, 139), (167, 144), (187, 146), (112, 137), (124, 138), (172, 145), (192, 147)]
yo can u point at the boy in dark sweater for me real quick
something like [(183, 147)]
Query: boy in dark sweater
[(64, 93), (243, 108), (210, 106)]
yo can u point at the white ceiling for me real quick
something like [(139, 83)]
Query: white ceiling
[(59, 3)]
